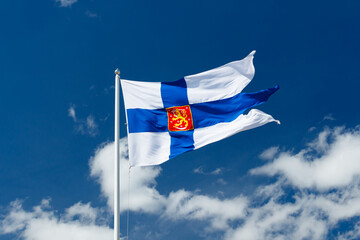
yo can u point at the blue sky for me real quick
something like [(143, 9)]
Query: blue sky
[(297, 180)]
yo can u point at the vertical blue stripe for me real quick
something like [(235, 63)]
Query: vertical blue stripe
[(175, 94), (182, 141)]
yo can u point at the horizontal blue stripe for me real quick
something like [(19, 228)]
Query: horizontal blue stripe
[(174, 93), (181, 142), (203, 114), (146, 120), (226, 110)]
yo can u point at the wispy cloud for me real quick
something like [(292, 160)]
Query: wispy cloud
[(311, 129), (200, 170), (269, 153), (86, 126), (66, 3), (71, 112), (329, 117), (108, 89), (91, 14), (91, 125), (221, 181)]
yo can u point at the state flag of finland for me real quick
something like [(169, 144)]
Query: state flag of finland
[(166, 119)]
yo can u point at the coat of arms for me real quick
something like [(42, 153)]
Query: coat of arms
[(180, 118)]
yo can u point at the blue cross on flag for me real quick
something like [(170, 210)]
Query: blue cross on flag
[(166, 119)]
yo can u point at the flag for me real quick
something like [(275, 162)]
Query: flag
[(165, 119)]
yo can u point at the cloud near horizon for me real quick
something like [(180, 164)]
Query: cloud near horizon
[(323, 178), (80, 221), (331, 161)]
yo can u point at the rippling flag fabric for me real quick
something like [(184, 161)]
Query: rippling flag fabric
[(165, 119)]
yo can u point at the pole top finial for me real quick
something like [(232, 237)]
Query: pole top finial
[(117, 71)]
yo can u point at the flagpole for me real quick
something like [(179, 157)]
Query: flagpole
[(117, 161)]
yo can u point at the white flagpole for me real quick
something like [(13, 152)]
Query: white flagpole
[(117, 161)]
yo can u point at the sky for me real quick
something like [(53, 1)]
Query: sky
[(297, 180)]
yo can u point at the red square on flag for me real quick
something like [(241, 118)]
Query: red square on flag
[(180, 118)]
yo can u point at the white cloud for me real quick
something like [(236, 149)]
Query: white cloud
[(81, 221), (144, 196), (269, 153), (319, 199), (311, 129), (187, 205), (308, 215), (216, 171), (66, 3), (329, 117), (85, 127), (221, 181), (275, 219), (84, 212), (332, 161), (42, 223), (71, 112), (328, 171), (200, 170), (91, 125)]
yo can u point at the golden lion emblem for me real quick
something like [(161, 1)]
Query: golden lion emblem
[(179, 116)]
